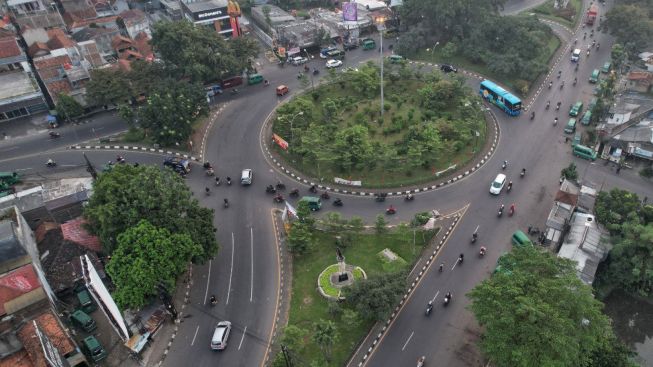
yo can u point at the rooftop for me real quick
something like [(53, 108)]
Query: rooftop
[(48, 325), (9, 47), (640, 75), (75, 232), (15, 284), (12, 252), (584, 246)]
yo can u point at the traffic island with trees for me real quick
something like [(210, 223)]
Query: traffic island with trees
[(323, 332), (473, 35), (337, 130)]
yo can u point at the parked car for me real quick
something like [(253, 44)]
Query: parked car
[(333, 64), (448, 68), (587, 118), (576, 109), (336, 54), (396, 59), (83, 321), (94, 349), (606, 67), (298, 60), (323, 52), (179, 165), (594, 78), (349, 46), (281, 90), (85, 301)]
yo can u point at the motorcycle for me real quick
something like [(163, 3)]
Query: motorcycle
[(447, 299), (548, 104), (429, 308), (50, 163), (213, 301), (313, 189), (532, 115), (210, 172), (54, 135), (504, 165), (325, 196), (523, 172), (409, 197), (226, 203), (120, 159), (266, 82), (562, 85), (280, 186), (294, 192), (234, 91), (500, 213), (474, 237), (558, 106), (207, 191), (229, 181), (555, 121), (270, 189), (391, 210), (217, 181), (315, 71), (481, 252), (337, 202), (550, 85), (420, 361), (512, 210), (509, 186), (380, 197), (278, 198)]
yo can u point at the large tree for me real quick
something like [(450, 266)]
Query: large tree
[(325, 335), (199, 53), (68, 108), (630, 263), (375, 297), (126, 195), (615, 208), (109, 87), (536, 312), (171, 110), (632, 25), (145, 258)]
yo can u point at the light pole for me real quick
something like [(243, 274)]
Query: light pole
[(432, 50), (380, 25), (292, 135)]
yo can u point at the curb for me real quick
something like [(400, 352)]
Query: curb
[(134, 148), (410, 289), (214, 118)]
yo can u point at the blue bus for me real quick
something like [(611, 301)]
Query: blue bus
[(500, 97)]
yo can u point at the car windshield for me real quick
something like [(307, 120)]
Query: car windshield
[(496, 184)]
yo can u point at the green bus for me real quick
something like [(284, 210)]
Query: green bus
[(584, 152)]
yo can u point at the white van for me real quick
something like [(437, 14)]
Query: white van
[(220, 335), (246, 177), (497, 184), (575, 56)]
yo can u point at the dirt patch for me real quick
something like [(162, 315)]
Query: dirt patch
[(307, 300)]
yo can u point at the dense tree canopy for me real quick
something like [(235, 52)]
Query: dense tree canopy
[(146, 257), (536, 312), (631, 24), (68, 108), (375, 297), (126, 195), (199, 53)]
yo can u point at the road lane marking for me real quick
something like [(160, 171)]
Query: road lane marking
[(231, 271), (279, 291), (251, 245), (243, 338), (195, 336), (436, 296), (208, 281), (405, 344)]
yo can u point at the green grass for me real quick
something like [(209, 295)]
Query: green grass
[(308, 306), (401, 104), (568, 17), (325, 282)]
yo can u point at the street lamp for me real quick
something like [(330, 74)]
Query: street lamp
[(380, 25), (292, 136)]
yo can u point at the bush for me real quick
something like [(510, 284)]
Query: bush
[(334, 309), (646, 172), (570, 172), (420, 219)]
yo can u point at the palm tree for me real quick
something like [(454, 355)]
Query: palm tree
[(325, 336)]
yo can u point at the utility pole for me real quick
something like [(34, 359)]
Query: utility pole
[(380, 24), (89, 167), (286, 356)]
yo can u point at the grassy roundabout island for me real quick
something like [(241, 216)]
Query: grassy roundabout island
[(431, 124)]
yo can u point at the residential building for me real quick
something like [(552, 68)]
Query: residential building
[(640, 81), (35, 14), (586, 244), (102, 36), (135, 21), (647, 59), (20, 94), (62, 73), (634, 142)]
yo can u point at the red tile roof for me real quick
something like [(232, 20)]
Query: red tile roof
[(132, 16), (74, 231), (119, 42), (142, 43), (59, 39), (57, 87), (9, 47), (38, 49), (49, 62), (49, 326), (640, 75), (18, 359), (76, 22), (17, 283)]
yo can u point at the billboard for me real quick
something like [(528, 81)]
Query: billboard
[(349, 12)]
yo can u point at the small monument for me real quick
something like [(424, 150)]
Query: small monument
[(342, 267)]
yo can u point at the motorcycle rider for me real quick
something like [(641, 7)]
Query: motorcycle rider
[(429, 307), (217, 181), (509, 185), (512, 208), (482, 251), (50, 162), (523, 171), (461, 257), (207, 190), (548, 104), (555, 121), (226, 203), (228, 180)]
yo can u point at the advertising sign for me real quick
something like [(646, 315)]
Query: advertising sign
[(280, 141), (349, 12)]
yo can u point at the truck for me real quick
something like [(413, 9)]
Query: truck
[(592, 13)]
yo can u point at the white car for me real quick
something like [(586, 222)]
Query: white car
[(333, 64), (298, 60), (497, 185)]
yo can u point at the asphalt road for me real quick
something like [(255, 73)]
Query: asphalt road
[(244, 276)]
